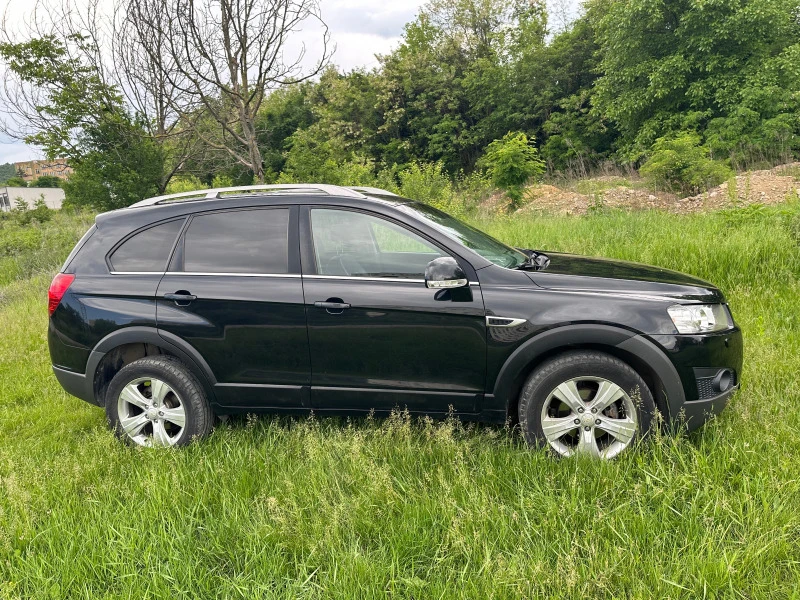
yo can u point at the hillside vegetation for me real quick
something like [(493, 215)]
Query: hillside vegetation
[(273, 507), (685, 92)]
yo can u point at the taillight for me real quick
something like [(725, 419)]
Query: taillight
[(58, 288)]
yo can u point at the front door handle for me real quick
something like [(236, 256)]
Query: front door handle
[(333, 306), (181, 297)]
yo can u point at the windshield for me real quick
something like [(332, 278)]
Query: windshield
[(474, 239)]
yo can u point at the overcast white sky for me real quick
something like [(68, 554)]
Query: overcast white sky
[(360, 29)]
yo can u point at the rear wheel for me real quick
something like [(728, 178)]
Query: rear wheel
[(156, 401), (587, 403)]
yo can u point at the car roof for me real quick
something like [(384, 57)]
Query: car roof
[(174, 205), (163, 208)]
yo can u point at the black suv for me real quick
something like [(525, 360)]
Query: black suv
[(346, 300)]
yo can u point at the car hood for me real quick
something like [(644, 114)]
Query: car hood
[(581, 273)]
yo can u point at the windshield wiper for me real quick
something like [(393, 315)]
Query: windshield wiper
[(537, 261)]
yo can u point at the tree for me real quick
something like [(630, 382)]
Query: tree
[(511, 162), (46, 181), (672, 66), (283, 112), (7, 171), (119, 168), (161, 103), (50, 95), (446, 88), (76, 63), (225, 57), (73, 113), (16, 182)]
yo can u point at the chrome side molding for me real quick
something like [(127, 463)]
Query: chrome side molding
[(493, 321)]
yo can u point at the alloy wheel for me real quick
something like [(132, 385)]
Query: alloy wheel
[(591, 416), (151, 413)]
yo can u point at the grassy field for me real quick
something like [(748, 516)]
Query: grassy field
[(405, 508)]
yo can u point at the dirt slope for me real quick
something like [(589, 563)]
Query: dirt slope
[(770, 186)]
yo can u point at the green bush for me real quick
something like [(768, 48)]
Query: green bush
[(427, 182), (40, 211), (22, 215), (511, 162), (46, 181), (16, 240), (682, 164), (185, 183), (222, 181), (16, 182)]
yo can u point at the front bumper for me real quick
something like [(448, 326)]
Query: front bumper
[(694, 356), (695, 413)]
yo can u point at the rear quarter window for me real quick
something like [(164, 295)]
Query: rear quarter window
[(147, 250), (77, 248)]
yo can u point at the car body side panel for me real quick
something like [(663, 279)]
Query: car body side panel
[(250, 330), (97, 305), (400, 343)]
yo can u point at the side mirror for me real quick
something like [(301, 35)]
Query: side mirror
[(445, 272)]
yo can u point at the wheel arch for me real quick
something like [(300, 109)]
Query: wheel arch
[(123, 346), (640, 354)]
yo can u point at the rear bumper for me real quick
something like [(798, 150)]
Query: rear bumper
[(76, 384)]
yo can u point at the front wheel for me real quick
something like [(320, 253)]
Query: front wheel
[(586, 403), (156, 401)]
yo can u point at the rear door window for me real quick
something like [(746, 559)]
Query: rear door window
[(148, 250), (242, 241)]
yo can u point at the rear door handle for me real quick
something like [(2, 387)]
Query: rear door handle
[(332, 305), (181, 298)]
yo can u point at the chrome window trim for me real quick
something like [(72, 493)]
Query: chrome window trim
[(354, 278), (137, 272), (225, 274), (205, 274), (291, 275), (388, 279)]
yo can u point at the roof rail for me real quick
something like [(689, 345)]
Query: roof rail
[(331, 190), (371, 190)]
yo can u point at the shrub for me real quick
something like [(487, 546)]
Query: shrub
[(511, 162), (682, 164), (427, 182), (46, 181), (185, 183), (40, 211), (22, 215), (16, 182), (222, 181)]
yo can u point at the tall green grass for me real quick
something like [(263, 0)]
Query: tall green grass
[(408, 508)]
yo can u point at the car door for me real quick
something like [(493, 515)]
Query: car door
[(379, 338), (233, 291)]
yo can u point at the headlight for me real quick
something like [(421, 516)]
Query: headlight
[(699, 318)]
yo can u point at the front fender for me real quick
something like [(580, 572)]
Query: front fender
[(616, 340)]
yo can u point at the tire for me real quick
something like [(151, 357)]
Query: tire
[(585, 402), (157, 401)]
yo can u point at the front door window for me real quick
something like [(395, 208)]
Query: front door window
[(353, 244)]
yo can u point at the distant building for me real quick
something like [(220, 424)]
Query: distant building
[(53, 197), (33, 169)]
